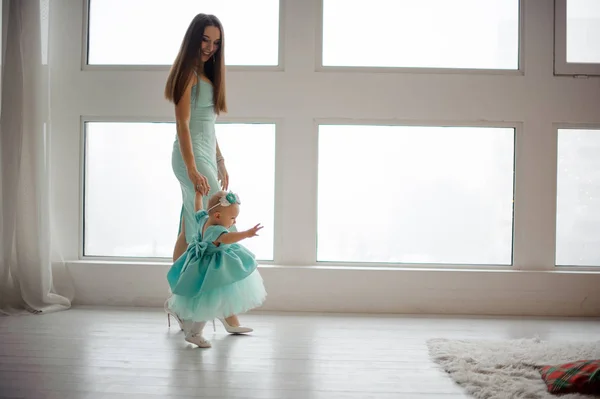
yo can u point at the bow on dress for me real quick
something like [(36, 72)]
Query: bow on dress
[(187, 274)]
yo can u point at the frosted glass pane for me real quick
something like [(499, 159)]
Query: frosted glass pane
[(583, 31), (133, 200), (149, 32), (425, 33), (407, 194), (578, 198)]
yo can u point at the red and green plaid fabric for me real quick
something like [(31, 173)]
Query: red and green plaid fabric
[(582, 376)]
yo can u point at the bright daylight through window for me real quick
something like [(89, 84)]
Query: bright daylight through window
[(156, 37), (469, 34), (583, 31), (413, 194), (578, 198), (133, 200)]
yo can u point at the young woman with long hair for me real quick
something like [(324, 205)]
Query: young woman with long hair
[(196, 86)]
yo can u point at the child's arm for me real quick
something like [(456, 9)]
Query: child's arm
[(230, 238), (198, 202)]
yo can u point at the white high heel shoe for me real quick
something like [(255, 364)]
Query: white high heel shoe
[(171, 313), (231, 329)]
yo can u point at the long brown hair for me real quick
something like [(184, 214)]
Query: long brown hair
[(189, 60)]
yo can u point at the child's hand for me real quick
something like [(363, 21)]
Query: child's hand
[(252, 232)]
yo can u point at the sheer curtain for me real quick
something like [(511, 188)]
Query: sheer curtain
[(31, 268)]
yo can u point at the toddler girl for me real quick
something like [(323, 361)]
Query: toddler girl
[(216, 277)]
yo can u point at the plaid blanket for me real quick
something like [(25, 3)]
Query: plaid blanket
[(582, 376)]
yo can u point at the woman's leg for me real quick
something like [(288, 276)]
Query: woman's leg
[(180, 244), (180, 248)]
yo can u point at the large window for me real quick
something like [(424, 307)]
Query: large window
[(578, 198), (415, 194), (132, 199), (419, 172), (577, 39), (466, 34), (149, 32)]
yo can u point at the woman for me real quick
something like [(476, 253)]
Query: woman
[(196, 85)]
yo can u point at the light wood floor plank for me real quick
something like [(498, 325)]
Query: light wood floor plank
[(93, 353)]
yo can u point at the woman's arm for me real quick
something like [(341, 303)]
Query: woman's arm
[(219, 155), (182, 117), (182, 120), (223, 174)]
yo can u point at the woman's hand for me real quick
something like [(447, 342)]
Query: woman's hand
[(199, 182), (223, 175)]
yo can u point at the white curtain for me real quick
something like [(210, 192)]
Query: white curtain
[(32, 272)]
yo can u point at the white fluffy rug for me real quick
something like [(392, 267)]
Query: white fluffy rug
[(507, 369)]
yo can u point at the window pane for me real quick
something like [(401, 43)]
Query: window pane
[(133, 200), (583, 31), (408, 194), (424, 33), (578, 198), (149, 32)]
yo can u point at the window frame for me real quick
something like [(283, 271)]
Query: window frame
[(84, 119), (561, 66), (85, 66), (319, 67), (555, 128), (535, 101), (515, 255)]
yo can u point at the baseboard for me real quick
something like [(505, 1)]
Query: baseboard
[(365, 290)]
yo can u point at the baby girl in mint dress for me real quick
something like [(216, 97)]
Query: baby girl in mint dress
[(216, 277)]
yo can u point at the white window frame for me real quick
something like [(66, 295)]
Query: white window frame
[(532, 102), (319, 67), (561, 66), (85, 66), (124, 119)]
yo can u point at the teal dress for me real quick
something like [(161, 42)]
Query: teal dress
[(225, 290), (210, 281), (204, 146)]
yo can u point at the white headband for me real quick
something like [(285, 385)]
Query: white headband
[(226, 200)]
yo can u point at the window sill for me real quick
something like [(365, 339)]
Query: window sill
[(356, 267), (326, 288)]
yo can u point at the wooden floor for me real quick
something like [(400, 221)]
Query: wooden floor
[(130, 353)]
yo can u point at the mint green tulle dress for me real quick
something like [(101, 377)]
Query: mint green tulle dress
[(210, 281), (207, 281)]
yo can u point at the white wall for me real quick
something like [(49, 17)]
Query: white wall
[(296, 97)]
